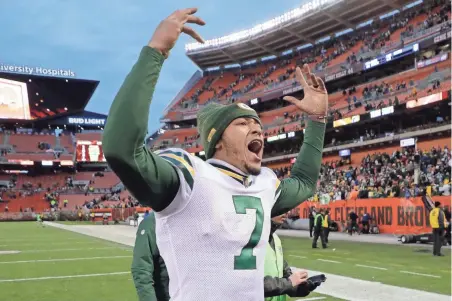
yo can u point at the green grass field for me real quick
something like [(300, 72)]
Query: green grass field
[(99, 270), (397, 265)]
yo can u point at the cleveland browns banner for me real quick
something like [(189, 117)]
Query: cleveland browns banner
[(392, 215)]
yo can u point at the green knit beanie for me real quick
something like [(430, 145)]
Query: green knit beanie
[(214, 118)]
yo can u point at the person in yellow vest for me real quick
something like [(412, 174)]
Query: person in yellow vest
[(279, 280), (318, 230), (326, 225), (437, 223)]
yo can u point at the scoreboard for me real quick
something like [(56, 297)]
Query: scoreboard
[(89, 151), (386, 58)]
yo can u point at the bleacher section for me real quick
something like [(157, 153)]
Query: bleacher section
[(390, 32), (107, 181), (420, 81), (338, 53)]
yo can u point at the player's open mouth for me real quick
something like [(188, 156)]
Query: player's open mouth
[(255, 146)]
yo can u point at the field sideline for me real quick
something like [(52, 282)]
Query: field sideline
[(54, 264)]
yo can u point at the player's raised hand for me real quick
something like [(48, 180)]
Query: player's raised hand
[(315, 101), (298, 277), (169, 30)]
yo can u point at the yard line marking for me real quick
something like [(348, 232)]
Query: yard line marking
[(39, 240), (311, 299), (326, 260), (339, 287), (9, 252), (371, 267), (47, 243), (297, 256), (73, 249), (64, 259), (328, 256), (419, 274), (63, 277)]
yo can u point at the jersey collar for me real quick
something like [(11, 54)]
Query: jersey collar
[(231, 171)]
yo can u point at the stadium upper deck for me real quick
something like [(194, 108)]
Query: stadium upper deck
[(307, 24), (336, 57)]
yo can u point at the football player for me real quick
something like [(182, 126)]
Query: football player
[(151, 280), (213, 217)]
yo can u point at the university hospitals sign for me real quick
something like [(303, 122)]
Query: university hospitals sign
[(36, 70)]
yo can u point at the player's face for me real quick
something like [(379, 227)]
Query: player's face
[(242, 145)]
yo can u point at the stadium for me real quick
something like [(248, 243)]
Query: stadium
[(387, 68)]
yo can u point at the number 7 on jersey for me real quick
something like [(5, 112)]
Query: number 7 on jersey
[(246, 260)]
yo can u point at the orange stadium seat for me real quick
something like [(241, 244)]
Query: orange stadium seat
[(76, 200), (37, 202), (230, 77), (89, 136), (67, 142), (107, 181), (29, 143)]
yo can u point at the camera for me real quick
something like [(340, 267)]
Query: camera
[(317, 280)]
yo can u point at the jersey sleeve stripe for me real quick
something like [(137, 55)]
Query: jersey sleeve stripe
[(278, 187), (176, 161), (177, 154), (181, 160)]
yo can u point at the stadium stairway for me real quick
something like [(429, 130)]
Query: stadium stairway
[(67, 142)]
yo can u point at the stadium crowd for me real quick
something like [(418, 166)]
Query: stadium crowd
[(375, 38), (405, 174)]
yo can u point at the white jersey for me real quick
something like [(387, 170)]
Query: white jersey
[(214, 234)]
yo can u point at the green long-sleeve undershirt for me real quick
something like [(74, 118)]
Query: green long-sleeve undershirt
[(153, 180), (149, 272)]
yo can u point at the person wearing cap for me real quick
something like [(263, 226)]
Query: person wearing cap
[(211, 215), (437, 223)]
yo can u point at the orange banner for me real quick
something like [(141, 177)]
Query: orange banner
[(392, 215)]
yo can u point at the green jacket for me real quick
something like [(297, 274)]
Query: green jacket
[(154, 181), (148, 268)]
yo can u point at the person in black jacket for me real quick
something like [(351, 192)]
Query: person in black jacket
[(292, 284), (353, 217), (312, 215)]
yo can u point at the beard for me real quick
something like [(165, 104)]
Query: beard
[(241, 160), (254, 171)]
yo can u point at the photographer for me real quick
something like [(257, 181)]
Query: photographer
[(279, 279)]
